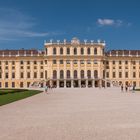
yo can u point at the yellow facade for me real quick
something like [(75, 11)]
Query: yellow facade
[(69, 64)]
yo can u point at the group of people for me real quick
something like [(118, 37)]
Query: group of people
[(128, 87)]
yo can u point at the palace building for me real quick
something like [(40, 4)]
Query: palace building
[(70, 65)]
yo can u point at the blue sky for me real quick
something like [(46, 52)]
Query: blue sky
[(26, 24)]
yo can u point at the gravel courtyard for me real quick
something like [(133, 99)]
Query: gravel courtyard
[(73, 114)]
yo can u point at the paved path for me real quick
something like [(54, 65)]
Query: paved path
[(78, 114)]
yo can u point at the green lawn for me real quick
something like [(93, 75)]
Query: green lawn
[(11, 95)]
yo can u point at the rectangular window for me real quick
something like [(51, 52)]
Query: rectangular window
[(28, 75), (134, 62), (134, 67), (107, 63), (46, 74), (41, 62), (68, 61), (126, 74), (6, 62), (126, 62), (61, 61), (13, 62), (6, 84), (35, 62), (95, 62), (41, 67), (35, 67), (35, 74), (21, 62), (54, 61), (114, 74), (13, 84), (120, 74), (21, 75), (21, 67), (45, 61), (120, 67), (13, 75), (0, 84), (120, 62), (134, 74), (13, 67), (6, 75), (75, 61), (6, 67), (28, 62), (107, 67), (28, 67), (107, 74), (88, 62), (21, 84), (28, 84), (113, 62), (82, 61), (41, 75), (0, 62)]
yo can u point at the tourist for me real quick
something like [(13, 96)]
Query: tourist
[(133, 90), (46, 89), (122, 87), (126, 88)]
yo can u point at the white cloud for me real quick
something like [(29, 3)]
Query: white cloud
[(15, 25), (109, 22)]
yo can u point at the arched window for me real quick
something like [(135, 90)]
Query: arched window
[(61, 74), (82, 73), (75, 51), (61, 50), (88, 51), (75, 73), (95, 51), (89, 74), (68, 73), (54, 74), (82, 51), (54, 50), (95, 74), (68, 50)]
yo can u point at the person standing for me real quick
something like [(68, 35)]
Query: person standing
[(122, 87), (126, 88), (133, 90)]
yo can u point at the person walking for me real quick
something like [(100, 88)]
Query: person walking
[(122, 88), (46, 89)]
